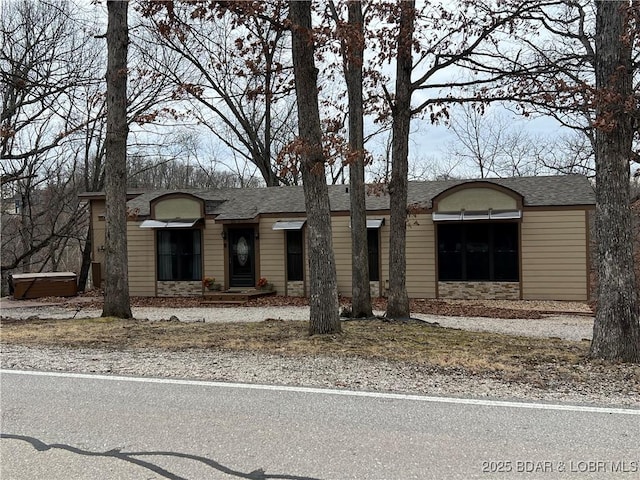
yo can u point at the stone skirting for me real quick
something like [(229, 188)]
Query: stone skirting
[(374, 289), (179, 289), (295, 289), (479, 290)]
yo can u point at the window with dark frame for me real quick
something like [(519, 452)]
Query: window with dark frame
[(374, 257), (295, 257), (179, 255), (478, 252)]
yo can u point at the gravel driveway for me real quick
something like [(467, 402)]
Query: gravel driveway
[(567, 327)]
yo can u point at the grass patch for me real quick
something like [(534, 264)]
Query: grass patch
[(413, 342)]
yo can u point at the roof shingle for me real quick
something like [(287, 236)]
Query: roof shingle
[(247, 203)]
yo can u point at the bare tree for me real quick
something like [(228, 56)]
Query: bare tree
[(354, 53), (616, 331), (40, 66), (228, 58), (452, 37), (323, 298), (43, 227), (479, 141), (572, 153), (46, 60), (491, 144), (116, 291), (149, 105), (88, 153), (53, 121), (580, 68), (351, 34), (398, 300), (182, 163)]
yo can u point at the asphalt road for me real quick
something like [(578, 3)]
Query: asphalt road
[(93, 427)]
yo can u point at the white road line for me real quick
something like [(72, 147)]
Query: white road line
[(328, 391)]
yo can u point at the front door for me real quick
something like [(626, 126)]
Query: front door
[(242, 263)]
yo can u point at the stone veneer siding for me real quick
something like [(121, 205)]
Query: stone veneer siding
[(479, 290), (295, 289), (179, 289)]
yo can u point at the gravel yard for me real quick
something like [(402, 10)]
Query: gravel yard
[(318, 371), (327, 371), (576, 325)]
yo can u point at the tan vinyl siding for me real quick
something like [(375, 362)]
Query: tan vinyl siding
[(98, 208), (142, 256), (341, 232), (142, 260), (272, 245), (554, 255), (178, 208), (421, 276), (420, 254), (481, 198), (213, 251), (384, 254), (98, 232)]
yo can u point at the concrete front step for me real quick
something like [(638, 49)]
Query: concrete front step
[(230, 297)]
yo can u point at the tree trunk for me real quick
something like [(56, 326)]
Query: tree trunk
[(360, 291), (616, 331), (86, 261), (269, 175), (398, 301), (323, 300), (116, 279)]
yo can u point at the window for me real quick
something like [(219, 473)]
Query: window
[(179, 255), (450, 252), (374, 257), (295, 256), (478, 252)]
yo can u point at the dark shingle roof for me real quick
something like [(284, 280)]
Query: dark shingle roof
[(561, 190), (247, 203)]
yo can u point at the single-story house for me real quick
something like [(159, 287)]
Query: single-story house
[(510, 238)]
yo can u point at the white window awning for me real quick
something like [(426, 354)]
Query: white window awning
[(375, 222), (476, 215), (505, 214), (448, 216), (288, 225), (177, 223)]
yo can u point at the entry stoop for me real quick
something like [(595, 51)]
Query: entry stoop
[(234, 296)]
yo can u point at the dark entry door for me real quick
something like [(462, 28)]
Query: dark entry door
[(242, 264)]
